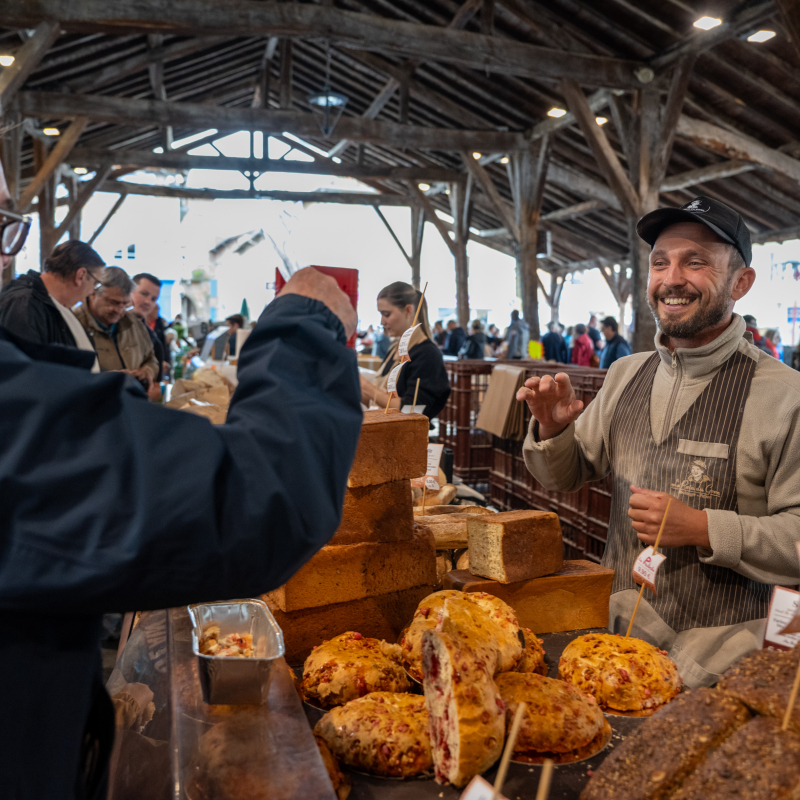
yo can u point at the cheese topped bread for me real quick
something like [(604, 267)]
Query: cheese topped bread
[(622, 674), (533, 657), (428, 615), (350, 666), (558, 717), (383, 733)]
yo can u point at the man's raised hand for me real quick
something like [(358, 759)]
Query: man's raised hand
[(552, 402)]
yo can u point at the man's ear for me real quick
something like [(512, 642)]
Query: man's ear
[(742, 283)]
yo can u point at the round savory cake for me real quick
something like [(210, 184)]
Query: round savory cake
[(621, 673), (350, 666), (558, 718), (429, 613), (533, 656), (384, 734)]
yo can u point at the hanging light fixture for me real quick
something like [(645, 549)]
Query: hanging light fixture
[(327, 106)]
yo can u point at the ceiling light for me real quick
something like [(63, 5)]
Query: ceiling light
[(447, 191), (707, 23), (423, 187), (556, 112), (601, 120), (327, 107), (51, 132), (758, 36), (80, 170), (7, 61), (476, 156), (504, 160)]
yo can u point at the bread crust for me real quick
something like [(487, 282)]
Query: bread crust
[(382, 733), (533, 658), (621, 673), (667, 747), (380, 513), (350, 666)]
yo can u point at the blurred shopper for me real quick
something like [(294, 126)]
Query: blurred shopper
[(616, 346), (774, 336), (761, 342), (383, 343), (475, 345), (494, 338), (397, 304), (517, 337), (439, 333), (594, 334), (97, 518), (582, 347), (455, 339), (120, 338), (38, 306), (145, 304), (555, 348), (235, 323)]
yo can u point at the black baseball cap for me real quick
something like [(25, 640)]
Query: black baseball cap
[(721, 219)]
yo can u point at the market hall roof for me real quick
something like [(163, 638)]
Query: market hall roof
[(429, 83)]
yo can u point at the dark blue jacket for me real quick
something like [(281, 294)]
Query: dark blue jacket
[(615, 348), (454, 341), (111, 503), (555, 348)]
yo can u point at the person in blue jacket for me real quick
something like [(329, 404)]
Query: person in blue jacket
[(96, 518), (616, 346)]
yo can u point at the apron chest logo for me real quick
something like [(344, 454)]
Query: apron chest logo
[(697, 483)]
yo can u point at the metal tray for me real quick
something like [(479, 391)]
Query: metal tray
[(236, 681)]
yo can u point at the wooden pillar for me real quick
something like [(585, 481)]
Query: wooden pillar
[(286, 74), (47, 200), (459, 205), (11, 156), (417, 230), (74, 229)]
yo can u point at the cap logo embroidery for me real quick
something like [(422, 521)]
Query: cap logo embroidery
[(696, 206)]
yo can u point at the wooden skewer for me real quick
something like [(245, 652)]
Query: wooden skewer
[(511, 740), (424, 489), (386, 410), (419, 307), (655, 550), (792, 697), (544, 780), (416, 392)]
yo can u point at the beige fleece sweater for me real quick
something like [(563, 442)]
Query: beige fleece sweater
[(759, 541)]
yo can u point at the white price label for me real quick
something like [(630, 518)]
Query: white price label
[(794, 622), (646, 566), (402, 348), (431, 483), (479, 789), (434, 457), (783, 610), (391, 384)]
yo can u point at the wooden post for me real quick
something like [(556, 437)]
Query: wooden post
[(11, 155), (417, 231), (459, 209), (47, 205)]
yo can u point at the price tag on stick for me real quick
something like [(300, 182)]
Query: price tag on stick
[(402, 348), (646, 566), (794, 622), (391, 384)]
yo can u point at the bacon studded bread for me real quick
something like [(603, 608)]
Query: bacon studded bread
[(467, 714), (558, 717), (533, 656), (622, 674), (349, 666), (341, 785), (763, 681), (667, 747), (383, 733), (429, 613), (759, 762)]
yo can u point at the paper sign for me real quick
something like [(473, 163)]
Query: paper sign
[(434, 457), (794, 623), (414, 410), (782, 610), (479, 789), (646, 566), (391, 384), (432, 483), (402, 348)]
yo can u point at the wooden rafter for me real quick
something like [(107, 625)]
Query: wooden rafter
[(101, 227), (25, 61), (430, 212), (483, 178), (84, 195)]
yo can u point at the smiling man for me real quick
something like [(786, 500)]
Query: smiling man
[(709, 421)]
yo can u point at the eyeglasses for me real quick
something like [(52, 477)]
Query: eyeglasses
[(13, 232)]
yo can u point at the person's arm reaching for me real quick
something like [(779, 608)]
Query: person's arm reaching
[(114, 503)]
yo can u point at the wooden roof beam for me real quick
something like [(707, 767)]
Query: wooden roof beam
[(26, 59), (345, 28), (136, 112)]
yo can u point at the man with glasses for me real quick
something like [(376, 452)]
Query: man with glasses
[(36, 306), (119, 336)]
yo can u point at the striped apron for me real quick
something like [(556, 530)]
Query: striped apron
[(696, 463)]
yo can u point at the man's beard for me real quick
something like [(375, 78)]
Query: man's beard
[(703, 317)]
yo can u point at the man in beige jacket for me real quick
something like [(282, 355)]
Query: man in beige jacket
[(118, 335), (708, 420)]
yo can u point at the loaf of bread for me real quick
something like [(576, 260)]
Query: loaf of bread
[(533, 657), (557, 719), (449, 530), (350, 666), (341, 784), (652, 763), (621, 673), (515, 546), (392, 447), (429, 613), (759, 762), (383, 734), (467, 715), (340, 573), (434, 510), (381, 617), (443, 565), (443, 497), (381, 513), (763, 681)]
